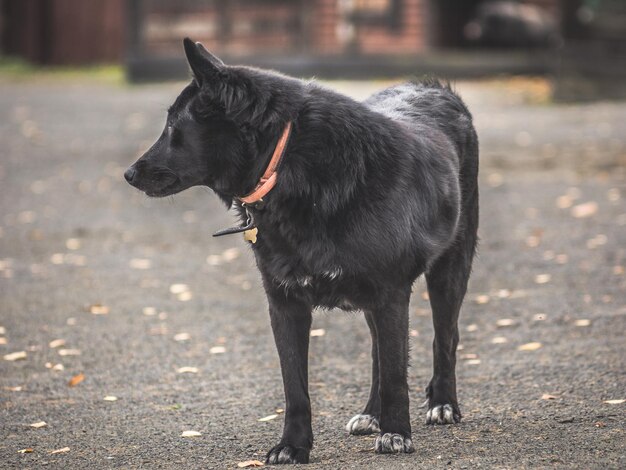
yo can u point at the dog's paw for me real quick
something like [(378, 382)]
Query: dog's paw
[(391, 443), (360, 425), (284, 453), (442, 414)]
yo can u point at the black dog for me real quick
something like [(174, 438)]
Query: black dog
[(366, 197)]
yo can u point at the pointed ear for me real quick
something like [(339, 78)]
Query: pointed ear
[(204, 65)]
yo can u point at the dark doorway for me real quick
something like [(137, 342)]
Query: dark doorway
[(448, 19)]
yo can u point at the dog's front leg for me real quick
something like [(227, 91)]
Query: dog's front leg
[(392, 334), (291, 324)]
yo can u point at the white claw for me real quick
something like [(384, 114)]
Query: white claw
[(363, 424), (440, 414), (391, 443)]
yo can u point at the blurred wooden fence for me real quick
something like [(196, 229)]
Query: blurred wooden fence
[(64, 31)]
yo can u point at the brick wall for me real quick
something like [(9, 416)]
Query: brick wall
[(410, 37)]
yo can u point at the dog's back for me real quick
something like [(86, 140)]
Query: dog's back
[(433, 104)]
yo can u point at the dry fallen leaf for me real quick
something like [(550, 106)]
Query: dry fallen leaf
[(3, 330), (187, 370), (26, 217), (38, 424), (15, 356), (28, 450), (72, 243), (250, 463), (564, 202), (149, 311), (69, 352), (189, 217), (614, 402), (230, 254), (179, 288), (110, 398), (504, 293), (217, 350), (503, 322), (214, 260), (58, 367), (184, 296), (533, 241), (13, 389), (582, 322), (160, 330), (561, 258), (482, 299), (267, 418), (472, 327), (140, 263), (469, 356), (547, 396), (318, 332), (586, 209), (498, 340), (542, 278), (61, 451), (56, 343), (597, 241), (613, 194), (99, 309), (473, 362), (182, 337), (190, 434), (78, 378), (3, 340), (495, 180), (529, 346), (57, 258)]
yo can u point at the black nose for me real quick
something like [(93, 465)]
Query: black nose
[(130, 174)]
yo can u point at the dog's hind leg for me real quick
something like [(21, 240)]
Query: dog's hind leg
[(368, 421), (447, 283), (391, 323), (291, 324)]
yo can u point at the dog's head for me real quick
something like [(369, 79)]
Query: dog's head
[(218, 131)]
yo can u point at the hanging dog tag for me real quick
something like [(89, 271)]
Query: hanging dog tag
[(250, 235)]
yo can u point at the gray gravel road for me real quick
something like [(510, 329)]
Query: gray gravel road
[(137, 289)]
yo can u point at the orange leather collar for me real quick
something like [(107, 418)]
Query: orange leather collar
[(268, 180)]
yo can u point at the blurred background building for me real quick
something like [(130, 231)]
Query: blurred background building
[(324, 37)]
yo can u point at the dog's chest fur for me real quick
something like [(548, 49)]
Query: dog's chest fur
[(313, 268)]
